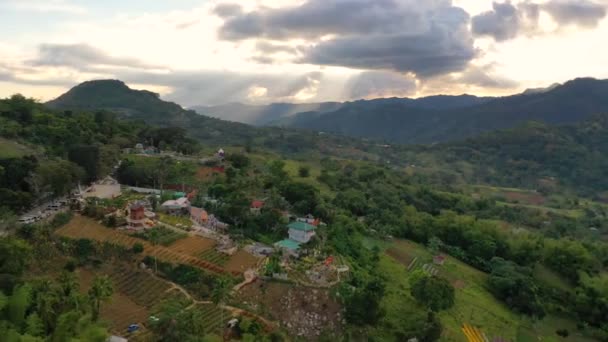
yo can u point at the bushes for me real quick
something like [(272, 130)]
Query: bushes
[(434, 292)]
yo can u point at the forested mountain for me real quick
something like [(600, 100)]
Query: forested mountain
[(419, 122), (532, 155), (115, 96)]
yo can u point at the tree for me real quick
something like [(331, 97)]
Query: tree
[(363, 306), (515, 286), (304, 171), (138, 248), (100, 291), (221, 292), (434, 292), (18, 304), (15, 255)]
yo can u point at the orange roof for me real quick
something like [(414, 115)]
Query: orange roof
[(257, 204)]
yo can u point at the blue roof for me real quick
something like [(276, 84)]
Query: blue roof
[(289, 244), (301, 226)]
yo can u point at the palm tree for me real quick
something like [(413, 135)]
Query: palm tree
[(222, 291), (154, 238), (69, 287), (101, 291)]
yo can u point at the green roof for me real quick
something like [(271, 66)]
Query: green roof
[(289, 244), (301, 226)]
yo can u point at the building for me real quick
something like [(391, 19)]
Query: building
[(291, 247), (439, 260), (301, 232), (136, 218), (199, 216), (179, 206), (256, 207)]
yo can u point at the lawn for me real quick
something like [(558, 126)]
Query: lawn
[(12, 149), (176, 221), (164, 236)]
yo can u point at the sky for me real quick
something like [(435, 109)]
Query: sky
[(210, 52)]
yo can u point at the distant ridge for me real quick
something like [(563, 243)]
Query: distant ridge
[(426, 120)]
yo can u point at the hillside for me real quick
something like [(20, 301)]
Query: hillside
[(412, 122), (115, 96), (259, 115), (532, 155)]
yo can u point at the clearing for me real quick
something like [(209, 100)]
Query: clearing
[(300, 310), (11, 149)]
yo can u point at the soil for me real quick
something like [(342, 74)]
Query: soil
[(205, 173), (401, 255), (192, 245), (241, 261), (524, 197), (302, 311)]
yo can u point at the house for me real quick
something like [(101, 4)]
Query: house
[(137, 216), (439, 260), (301, 232), (306, 219), (256, 207), (221, 154), (139, 148), (291, 247), (199, 216), (179, 206)]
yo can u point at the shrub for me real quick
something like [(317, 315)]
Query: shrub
[(137, 248)]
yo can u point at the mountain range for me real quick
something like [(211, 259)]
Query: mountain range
[(396, 120), (431, 119)]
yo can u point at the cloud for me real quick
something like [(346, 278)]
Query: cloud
[(272, 48), (373, 84), (83, 57), (508, 21), (44, 6), (426, 38), (484, 77), (227, 10), (583, 13)]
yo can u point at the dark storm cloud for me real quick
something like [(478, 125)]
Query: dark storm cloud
[(82, 57), (583, 13), (508, 21), (503, 22), (425, 38)]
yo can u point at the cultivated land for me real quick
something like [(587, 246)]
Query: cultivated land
[(474, 304), (182, 251)]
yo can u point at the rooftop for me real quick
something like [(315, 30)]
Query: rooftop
[(301, 226), (289, 244)]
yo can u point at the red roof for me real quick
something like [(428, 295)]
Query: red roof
[(257, 204)]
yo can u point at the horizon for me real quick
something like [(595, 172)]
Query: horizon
[(257, 52)]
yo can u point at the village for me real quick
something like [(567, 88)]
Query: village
[(176, 230)]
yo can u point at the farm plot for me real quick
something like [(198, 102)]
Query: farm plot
[(122, 309), (81, 227), (214, 257), (192, 245), (213, 317), (241, 261)]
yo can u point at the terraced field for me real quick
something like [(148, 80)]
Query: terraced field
[(136, 292), (213, 317), (85, 228), (215, 257)]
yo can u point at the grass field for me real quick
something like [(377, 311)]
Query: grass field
[(474, 304), (176, 221), (292, 167), (12, 149)]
